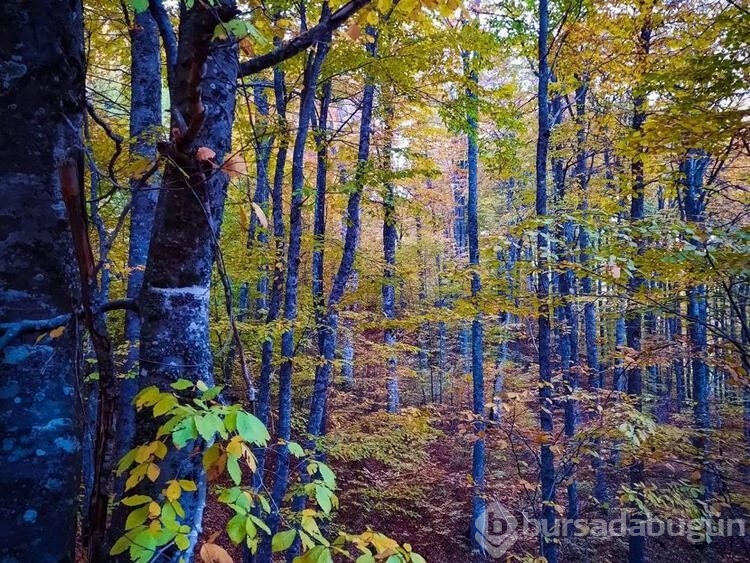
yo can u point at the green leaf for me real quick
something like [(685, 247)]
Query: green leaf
[(260, 523), (139, 5), (318, 554), (264, 503), (311, 527), (366, 558), (136, 500), (136, 518), (233, 467), (120, 546), (236, 528), (211, 393), (184, 432), (181, 384), (182, 542), (283, 540), (329, 478), (295, 449), (126, 461), (323, 496), (417, 558), (206, 427), (252, 429)]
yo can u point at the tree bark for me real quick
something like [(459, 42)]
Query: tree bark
[(41, 110)]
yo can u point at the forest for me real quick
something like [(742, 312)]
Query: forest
[(380, 281)]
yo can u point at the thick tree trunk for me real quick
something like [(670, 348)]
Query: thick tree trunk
[(41, 111), (174, 297)]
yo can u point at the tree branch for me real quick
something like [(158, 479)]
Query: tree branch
[(303, 40), (14, 329)]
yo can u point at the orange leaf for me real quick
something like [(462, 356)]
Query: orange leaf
[(204, 153), (56, 332), (212, 553), (235, 166), (354, 31)]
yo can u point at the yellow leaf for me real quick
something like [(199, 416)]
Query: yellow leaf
[(250, 460), (154, 509), (142, 454), (372, 18), (173, 491), (160, 449), (153, 472), (384, 544), (234, 448), (212, 553), (244, 219), (188, 485), (132, 481)]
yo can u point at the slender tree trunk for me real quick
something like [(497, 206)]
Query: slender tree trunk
[(424, 333), (307, 105), (567, 319), (279, 232), (145, 119), (276, 292), (692, 171), (510, 259), (477, 328), (633, 328), (547, 468), (263, 145), (389, 254)]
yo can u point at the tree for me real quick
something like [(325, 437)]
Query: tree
[(41, 165), (547, 468)]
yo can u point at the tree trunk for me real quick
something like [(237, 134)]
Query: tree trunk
[(547, 469), (692, 170), (389, 255), (145, 118), (633, 328), (42, 93), (478, 461), (307, 106), (174, 298)]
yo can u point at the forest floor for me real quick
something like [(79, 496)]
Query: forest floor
[(408, 475)]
